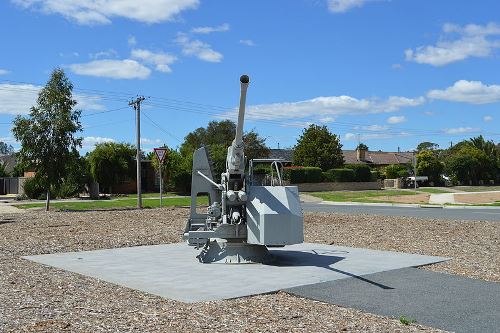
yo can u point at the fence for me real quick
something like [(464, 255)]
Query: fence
[(12, 185)]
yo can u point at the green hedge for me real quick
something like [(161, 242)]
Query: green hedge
[(362, 172), (304, 175), (341, 175)]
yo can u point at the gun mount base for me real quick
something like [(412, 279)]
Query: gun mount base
[(234, 252)]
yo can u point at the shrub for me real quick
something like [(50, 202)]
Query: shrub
[(396, 171), (305, 175), (342, 175), (362, 172), (262, 169), (327, 177), (375, 175), (34, 189), (182, 182)]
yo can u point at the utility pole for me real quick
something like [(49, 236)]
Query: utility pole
[(137, 107)]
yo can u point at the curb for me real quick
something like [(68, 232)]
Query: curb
[(333, 203)]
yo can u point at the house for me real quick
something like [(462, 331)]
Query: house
[(376, 159), (9, 162)]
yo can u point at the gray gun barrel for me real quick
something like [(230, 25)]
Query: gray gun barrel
[(238, 140)]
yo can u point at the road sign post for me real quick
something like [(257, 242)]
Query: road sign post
[(160, 155)]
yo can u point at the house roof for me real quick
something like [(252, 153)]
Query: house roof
[(283, 154), (378, 157), (9, 162), (350, 157)]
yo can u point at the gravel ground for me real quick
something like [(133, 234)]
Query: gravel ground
[(36, 298)]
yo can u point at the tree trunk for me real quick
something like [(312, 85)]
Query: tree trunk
[(47, 203)]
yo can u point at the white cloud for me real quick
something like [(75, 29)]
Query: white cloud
[(19, 98), (487, 118), (91, 141), (428, 113), (327, 120), (110, 53), (114, 69), (375, 128), (397, 66), (373, 136), (472, 41), (146, 141), (396, 119), (197, 48), (207, 30), (473, 92), (4, 71), (161, 60), (461, 130), (91, 12), (8, 139), (131, 41), (342, 6), (331, 106), (247, 42)]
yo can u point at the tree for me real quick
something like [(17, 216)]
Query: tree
[(218, 136), (111, 162), (172, 166), (3, 173), (488, 147), (318, 147), (428, 164), (468, 165), (362, 146), (48, 135), (5, 148), (396, 171), (426, 145)]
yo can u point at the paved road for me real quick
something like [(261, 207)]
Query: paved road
[(445, 301), (438, 213)]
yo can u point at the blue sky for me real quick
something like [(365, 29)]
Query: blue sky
[(389, 73)]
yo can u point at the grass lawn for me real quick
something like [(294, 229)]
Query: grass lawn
[(123, 203), (477, 188), (361, 196), (145, 195), (432, 190)]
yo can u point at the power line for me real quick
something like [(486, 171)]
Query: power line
[(222, 112), (161, 128), (101, 112)]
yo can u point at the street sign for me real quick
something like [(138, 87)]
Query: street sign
[(161, 153)]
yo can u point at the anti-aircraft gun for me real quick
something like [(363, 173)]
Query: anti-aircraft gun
[(244, 217)]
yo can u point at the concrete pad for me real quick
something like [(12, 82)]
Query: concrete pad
[(450, 302), (172, 271)]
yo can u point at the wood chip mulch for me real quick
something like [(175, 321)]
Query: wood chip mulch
[(37, 298)]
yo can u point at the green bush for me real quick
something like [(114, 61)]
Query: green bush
[(342, 175), (262, 169), (305, 175), (375, 175), (182, 182), (362, 172), (327, 177), (34, 189), (396, 171)]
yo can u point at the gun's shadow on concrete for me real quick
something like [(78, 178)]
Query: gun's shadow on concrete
[(316, 258)]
